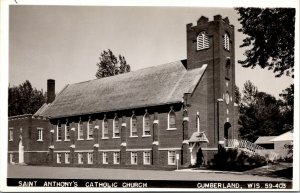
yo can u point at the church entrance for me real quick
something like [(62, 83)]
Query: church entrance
[(227, 127)]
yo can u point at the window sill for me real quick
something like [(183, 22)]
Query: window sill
[(67, 163), (90, 163), (146, 136), (170, 129), (116, 137), (133, 163), (11, 140), (116, 163), (89, 139), (171, 164), (80, 163), (40, 140), (146, 163), (67, 139), (80, 139), (105, 163), (105, 138), (58, 140), (133, 136)]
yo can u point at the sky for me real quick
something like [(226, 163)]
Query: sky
[(64, 42)]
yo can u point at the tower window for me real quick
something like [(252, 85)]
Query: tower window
[(59, 132), (90, 131), (202, 41), (67, 132), (80, 130), (226, 42), (40, 134)]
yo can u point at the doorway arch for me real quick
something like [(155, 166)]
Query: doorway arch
[(227, 127)]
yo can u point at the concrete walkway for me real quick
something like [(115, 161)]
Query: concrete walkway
[(17, 171)]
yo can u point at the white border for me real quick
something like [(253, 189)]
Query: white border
[(174, 3)]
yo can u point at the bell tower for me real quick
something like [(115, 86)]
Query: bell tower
[(212, 43)]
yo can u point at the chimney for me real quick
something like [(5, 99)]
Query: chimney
[(50, 90)]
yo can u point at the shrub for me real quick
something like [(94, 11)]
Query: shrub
[(236, 160)]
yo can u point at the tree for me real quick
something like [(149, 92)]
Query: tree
[(270, 38), (110, 65), (287, 106), (260, 114), (24, 99), (237, 95)]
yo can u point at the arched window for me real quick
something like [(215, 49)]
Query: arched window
[(202, 41), (80, 130), (104, 128), (90, 131), (116, 127), (146, 125), (172, 120), (226, 42), (133, 126)]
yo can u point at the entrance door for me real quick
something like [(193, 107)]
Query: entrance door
[(21, 152), (200, 157)]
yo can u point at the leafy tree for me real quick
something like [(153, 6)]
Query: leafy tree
[(287, 106), (110, 65), (24, 99), (270, 38), (237, 95), (260, 114)]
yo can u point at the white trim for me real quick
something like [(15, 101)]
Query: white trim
[(96, 145), (72, 146), (168, 126), (51, 147), (186, 119), (170, 129), (155, 143), (28, 151), (144, 149), (97, 127), (209, 148), (169, 148), (131, 158), (105, 138), (145, 157), (123, 144), (52, 131), (73, 129), (61, 151), (11, 133), (185, 141), (133, 136), (221, 142), (108, 150), (123, 124), (115, 137), (155, 121), (82, 151), (144, 125)]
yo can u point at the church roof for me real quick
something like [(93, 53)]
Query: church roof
[(158, 85)]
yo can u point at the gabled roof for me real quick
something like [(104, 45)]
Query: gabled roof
[(264, 140), (288, 136), (198, 137), (163, 84)]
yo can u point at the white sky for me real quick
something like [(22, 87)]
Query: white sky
[(64, 42)]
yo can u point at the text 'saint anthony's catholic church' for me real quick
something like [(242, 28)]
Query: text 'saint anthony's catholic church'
[(145, 118)]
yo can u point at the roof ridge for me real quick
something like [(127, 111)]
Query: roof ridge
[(141, 69)]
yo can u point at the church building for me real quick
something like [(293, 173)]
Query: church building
[(161, 116)]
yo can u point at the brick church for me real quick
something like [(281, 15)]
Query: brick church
[(179, 112)]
